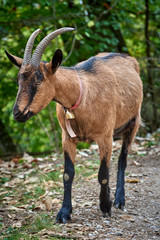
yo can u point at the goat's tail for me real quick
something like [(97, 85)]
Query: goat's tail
[(138, 123)]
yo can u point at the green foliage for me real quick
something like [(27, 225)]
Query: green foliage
[(101, 26)]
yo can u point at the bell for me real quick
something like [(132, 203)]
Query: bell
[(69, 115)]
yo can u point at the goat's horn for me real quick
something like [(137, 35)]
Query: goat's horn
[(29, 46), (36, 57)]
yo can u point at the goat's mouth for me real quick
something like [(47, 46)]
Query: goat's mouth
[(23, 116)]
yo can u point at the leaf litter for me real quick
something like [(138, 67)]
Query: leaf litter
[(32, 193)]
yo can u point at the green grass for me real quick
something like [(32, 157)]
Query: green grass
[(31, 230), (29, 193)]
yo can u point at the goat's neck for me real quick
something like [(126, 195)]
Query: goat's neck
[(67, 87)]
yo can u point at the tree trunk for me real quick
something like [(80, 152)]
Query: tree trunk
[(6, 143), (150, 65)]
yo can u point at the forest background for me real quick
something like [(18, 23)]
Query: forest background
[(127, 26)]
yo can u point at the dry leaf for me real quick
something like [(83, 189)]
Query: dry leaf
[(127, 218), (11, 208), (31, 180), (1, 193), (132, 180), (40, 159), (136, 163), (15, 160), (17, 225), (27, 157), (40, 206), (48, 203), (83, 154), (121, 239), (21, 176), (56, 201)]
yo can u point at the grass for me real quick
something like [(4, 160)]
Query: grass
[(27, 195), (31, 229)]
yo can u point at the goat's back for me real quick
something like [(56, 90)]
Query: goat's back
[(112, 93)]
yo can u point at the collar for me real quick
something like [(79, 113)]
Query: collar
[(67, 121)]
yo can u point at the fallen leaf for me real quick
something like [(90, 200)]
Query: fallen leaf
[(40, 159), (15, 160), (48, 203), (31, 180), (27, 157), (56, 201), (136, 163), (132, 180), (11, 208), (40, 206), (121, 239), (21, 176), (17, 225), (84, 154), (142, 152), (94, 147), (1, 193), (128, 218)]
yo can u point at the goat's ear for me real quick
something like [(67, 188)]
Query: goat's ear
[(15, 60), (56, 61)]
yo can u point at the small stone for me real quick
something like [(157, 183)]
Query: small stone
[(90, 234), (119, 234)]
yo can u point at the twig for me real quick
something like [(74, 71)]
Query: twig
[(45, 130), (107, 11), (72, 46)]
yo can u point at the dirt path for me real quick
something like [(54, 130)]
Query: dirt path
[(140, 219)]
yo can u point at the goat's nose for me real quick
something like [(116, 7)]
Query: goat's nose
[(15, 109)]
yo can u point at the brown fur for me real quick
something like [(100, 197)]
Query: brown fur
[(112, 97)]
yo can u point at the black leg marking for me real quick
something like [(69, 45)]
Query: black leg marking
[(103, 178), (64, 213), (122, 164), (120, 191)]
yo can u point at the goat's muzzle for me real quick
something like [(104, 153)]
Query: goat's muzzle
[(21, 116)]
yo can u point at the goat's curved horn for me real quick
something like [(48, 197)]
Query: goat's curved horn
[(29, 46), (36, 57)]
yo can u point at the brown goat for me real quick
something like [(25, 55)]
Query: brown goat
[(109, 93)]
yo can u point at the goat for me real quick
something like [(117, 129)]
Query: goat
[(97, 100)]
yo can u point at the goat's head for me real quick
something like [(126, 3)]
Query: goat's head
[(35, 91)]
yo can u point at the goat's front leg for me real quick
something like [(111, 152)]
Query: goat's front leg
[(69, 158), (103, 177)]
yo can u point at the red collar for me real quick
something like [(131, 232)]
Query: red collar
[(67, 121)]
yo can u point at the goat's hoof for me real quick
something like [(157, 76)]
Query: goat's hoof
[(106, 208), (64, 215), (104, 214), (119, 206)]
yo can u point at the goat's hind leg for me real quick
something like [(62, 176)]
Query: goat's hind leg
[(128, 137)]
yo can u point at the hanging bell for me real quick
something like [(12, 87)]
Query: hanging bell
[(69, 114)]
